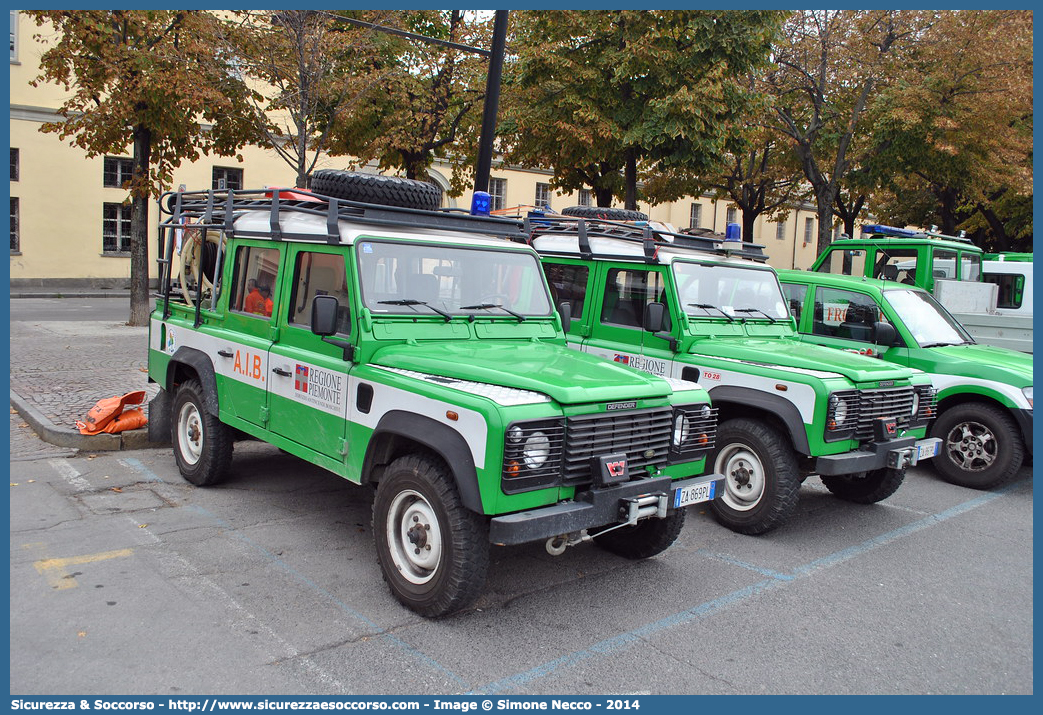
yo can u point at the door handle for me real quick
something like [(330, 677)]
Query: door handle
[(225, 353), (280, 371)]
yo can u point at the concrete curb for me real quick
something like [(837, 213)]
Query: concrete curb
[(66, 437)]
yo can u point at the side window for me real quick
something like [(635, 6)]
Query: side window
[(1011, 288), (568, 283), (319, 274), (795, 294), (970, 266), (844, 262), (943, 265), (845, 314), (897, 265), (256, 271), (627, 291)]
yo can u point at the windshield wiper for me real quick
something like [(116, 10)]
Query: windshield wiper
[(707, 306), (411, 302), (487, 306), (944, 345), (756, 310)]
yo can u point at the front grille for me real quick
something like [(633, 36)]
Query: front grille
[(872, 404), (644, 435)]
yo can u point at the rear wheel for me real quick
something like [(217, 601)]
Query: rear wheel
[(433, 552), (865, 487), (644, 539), (981, 446), (761, 477), (202, 442)]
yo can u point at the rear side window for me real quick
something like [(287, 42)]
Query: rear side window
[(844, 262), (1011, 288), (845, 314), (256, 271), (898, 265), (568, 283)]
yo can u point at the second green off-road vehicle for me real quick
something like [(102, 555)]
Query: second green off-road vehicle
[(711, 311), (363, 330)]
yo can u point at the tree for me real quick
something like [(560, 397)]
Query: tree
[(832, 63), (598, 95), (315, 68), (955, 128), (429, 99), (146, 78)]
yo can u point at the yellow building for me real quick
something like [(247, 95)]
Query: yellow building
[(69, 223)]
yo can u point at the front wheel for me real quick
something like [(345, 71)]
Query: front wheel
[(981, 446), (865, 487), (761, 477), (433, 552), (644, 539)]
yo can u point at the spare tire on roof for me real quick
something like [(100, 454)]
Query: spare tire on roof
[(376, 189), (604, 212)]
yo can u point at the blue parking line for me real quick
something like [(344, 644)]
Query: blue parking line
[(750, 567), (709, 608), (151, 476)]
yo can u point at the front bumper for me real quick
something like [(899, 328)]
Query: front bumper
[(604, 506), (893, 454), (1024, 418)]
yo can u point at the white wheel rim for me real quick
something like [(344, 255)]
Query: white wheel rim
[(190, 433), (413, 536), (971, 446), (744, 476)]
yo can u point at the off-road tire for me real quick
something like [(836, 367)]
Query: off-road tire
[(202, 443), (865, 487), (604, 212), (449, 571), (644, 539), (376, 189), (983, 422), (762, 480)]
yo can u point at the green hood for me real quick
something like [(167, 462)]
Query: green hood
[(806, 356), (566, 375), (979, 361)]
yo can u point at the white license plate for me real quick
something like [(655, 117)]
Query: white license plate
[(694, 495), (925, 451)]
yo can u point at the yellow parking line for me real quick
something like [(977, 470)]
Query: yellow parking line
[(54, 570)]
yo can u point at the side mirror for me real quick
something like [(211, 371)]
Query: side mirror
[(652, 320), (324, 315), (884, 333), (565, 311)]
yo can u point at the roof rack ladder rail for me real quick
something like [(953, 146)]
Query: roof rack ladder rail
[(584, 243), (226, 232), (648, 243), (168, 251), (273, 218), (332, 227)]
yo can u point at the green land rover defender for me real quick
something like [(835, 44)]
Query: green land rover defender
[(362, 329), (706, 310)]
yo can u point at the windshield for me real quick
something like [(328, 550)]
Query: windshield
[(708, 290), (436, 279), (930, 324)]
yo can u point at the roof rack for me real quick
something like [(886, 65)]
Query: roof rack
[(649, 235), (894, 232)]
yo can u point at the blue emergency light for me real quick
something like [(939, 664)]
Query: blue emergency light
[(733, 233), (481, 203)]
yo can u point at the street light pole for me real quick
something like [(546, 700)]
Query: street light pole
[(492, 102)]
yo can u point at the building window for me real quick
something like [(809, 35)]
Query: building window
[(584, 197), (780, 231), (498, 192), (733, 215), (14, 165), (14, 36), (117, 172), (809, 230), (15, 243), (227, 178), (695, 216), (115, 228), (542, 194)]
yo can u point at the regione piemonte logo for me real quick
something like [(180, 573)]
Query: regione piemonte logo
[(300, 379)]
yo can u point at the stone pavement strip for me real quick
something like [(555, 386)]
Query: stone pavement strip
[(59, 369)]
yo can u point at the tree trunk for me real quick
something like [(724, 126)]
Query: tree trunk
[(140, 304), (824, 210), (603, 197), (630, 180), (749, 217)]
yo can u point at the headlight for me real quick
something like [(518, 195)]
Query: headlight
[(536, 451), (916, 403), (1027, 392), (681, 430), (838, 411)]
